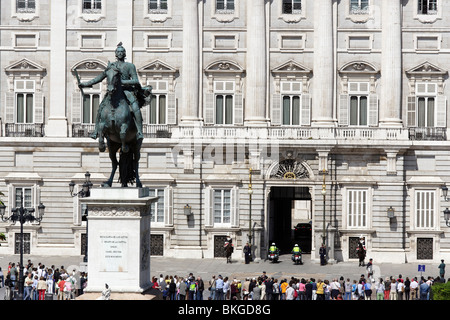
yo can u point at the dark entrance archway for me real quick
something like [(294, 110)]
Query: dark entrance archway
[(282, 219)]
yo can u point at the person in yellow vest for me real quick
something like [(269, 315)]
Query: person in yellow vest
[(273, 248), (296, 251)]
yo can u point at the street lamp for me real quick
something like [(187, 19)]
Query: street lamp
[(447, 217), (83, 193), (22, 215), (250, 193), (324, 193)]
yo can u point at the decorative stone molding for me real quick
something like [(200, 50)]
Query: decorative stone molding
[(25, 68), (292, 71), (360, 69), (224, 68), (426, 71), (117, 211)]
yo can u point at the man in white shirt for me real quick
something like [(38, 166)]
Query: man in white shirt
[(414, 285), (290, 293)]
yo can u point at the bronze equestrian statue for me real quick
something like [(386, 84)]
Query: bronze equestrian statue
[(119, 117)]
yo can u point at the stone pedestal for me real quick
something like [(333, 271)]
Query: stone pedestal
[(118, 230)]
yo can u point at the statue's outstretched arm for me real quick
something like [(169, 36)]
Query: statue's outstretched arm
[(96, 80)]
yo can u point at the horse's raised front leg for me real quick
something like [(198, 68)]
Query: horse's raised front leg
[(101, 137), (123, 134), (136, 158), (115, 164)]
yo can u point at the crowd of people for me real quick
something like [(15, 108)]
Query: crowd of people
[(270, 288), (40, 281)]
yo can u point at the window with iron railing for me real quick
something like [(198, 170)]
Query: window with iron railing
[(428, 7), (25, 6)]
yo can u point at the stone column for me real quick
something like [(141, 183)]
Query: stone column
[(256, 83), (125, 26), (57, 120), (191, 63), (391, 64), (323, 70)]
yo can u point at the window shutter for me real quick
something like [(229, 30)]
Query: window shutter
[(39, 108), (171, 109), (9, 107), (411, 111), (235, 207), (209, 108), (373, 110), (144, 113), (441, 111), (209, 206), (276, 109), (343, 110), (306, 110), (168, 206), (76, 107), (238, 109)]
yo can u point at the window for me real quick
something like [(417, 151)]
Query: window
[(426, 97), (224, 102), (224, 6), (26, 6), (92, 6), (291, 103), (428, 7), (157, 6), (357, 208), (157, 208), (358, 94), (91, 103), (24, 91), (157, 111), (425, 209), (359, 6), (292, 6), (26, 193), (222, 206)]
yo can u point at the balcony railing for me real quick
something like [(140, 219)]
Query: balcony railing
[(83, 130), (297, 133), (24, 130), (279, 133), (428, 133)]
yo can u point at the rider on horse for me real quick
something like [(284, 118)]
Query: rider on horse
[(135, 94)]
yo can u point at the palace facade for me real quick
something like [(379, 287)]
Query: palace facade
[(265, 114)]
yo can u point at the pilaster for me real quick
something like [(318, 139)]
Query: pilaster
[(391, 64), (255, 107), (191, 63)]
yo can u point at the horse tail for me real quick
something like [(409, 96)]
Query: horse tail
[(126, 168)]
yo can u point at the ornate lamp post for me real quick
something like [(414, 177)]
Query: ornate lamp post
[(250, 193), (83, 193), (324, 193), (22, 215)]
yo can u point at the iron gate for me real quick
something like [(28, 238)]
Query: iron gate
[(157, 245), (424, 248), (352, 246), (219, 246), (26, 243)]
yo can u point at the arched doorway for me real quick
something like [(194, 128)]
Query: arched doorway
[(290, 218)]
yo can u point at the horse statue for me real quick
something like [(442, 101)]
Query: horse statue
[(119, 119)]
